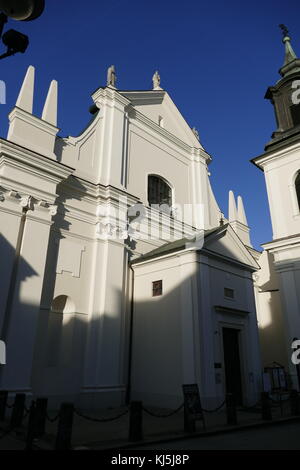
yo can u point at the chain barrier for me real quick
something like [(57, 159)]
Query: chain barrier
[(215, 409), (173, 412), (12, 429), (7, 432), (280, 402), (284, 400), (52, 420), (276, 402), (100, 420), (251, 407)]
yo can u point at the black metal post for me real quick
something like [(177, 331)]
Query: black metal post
[(31, 429), (3, 403), (41, 414), (135, 421), (189, 421), (294, 403), (231, 409), (18, 410), (298, 374), (64, 429), (266, 412)]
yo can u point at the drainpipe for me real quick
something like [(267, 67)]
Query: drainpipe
[(128, 390)]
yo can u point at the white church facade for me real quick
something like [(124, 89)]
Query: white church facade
[(120, 276)]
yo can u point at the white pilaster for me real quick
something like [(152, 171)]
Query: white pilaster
[(112, 151), (207, 328)]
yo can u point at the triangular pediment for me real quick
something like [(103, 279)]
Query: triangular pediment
[(228, 245), (158, 106), (221, 242)]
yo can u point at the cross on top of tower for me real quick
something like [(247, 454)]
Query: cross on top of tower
[(285, 31)]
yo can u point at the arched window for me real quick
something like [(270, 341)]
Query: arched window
[(159, 192), (297, 187)]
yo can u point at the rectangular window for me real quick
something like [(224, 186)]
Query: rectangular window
[(229, 293), (156, 288)]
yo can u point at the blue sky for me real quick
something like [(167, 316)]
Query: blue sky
[(215, 58)]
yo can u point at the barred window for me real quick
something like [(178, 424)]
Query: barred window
[(156, 288), (159, 192)]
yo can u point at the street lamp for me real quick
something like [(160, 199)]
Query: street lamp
[(20, 10)]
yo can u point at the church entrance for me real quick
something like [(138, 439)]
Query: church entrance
[(232, 363)]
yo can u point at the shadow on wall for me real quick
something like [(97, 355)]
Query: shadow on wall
[(14, 270), (64, 366), (272, 327), (272, 334), (57, 365)]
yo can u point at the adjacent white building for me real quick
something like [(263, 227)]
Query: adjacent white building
[(278, 281)]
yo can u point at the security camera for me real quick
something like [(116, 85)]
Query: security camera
[(15, 41), (22, 10)]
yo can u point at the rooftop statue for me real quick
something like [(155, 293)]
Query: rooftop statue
[(111, 77)]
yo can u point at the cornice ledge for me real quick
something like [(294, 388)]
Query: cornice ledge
[(111, 192), (10, 152), (109, 94), (32, 120), (143, 96), (230, 310), (27, 201), (262, 160), (281, 243), (287, 265)]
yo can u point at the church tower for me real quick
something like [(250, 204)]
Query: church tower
[(281, 165)]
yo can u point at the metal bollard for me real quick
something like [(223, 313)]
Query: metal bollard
[(294, 403), (18, 410), (135, 421), (41, 414), (3, 403), (266, 412), (189, 421), (64, 428), (31, 429), (231, 409)]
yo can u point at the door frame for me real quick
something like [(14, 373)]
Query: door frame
[(242, 353)]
